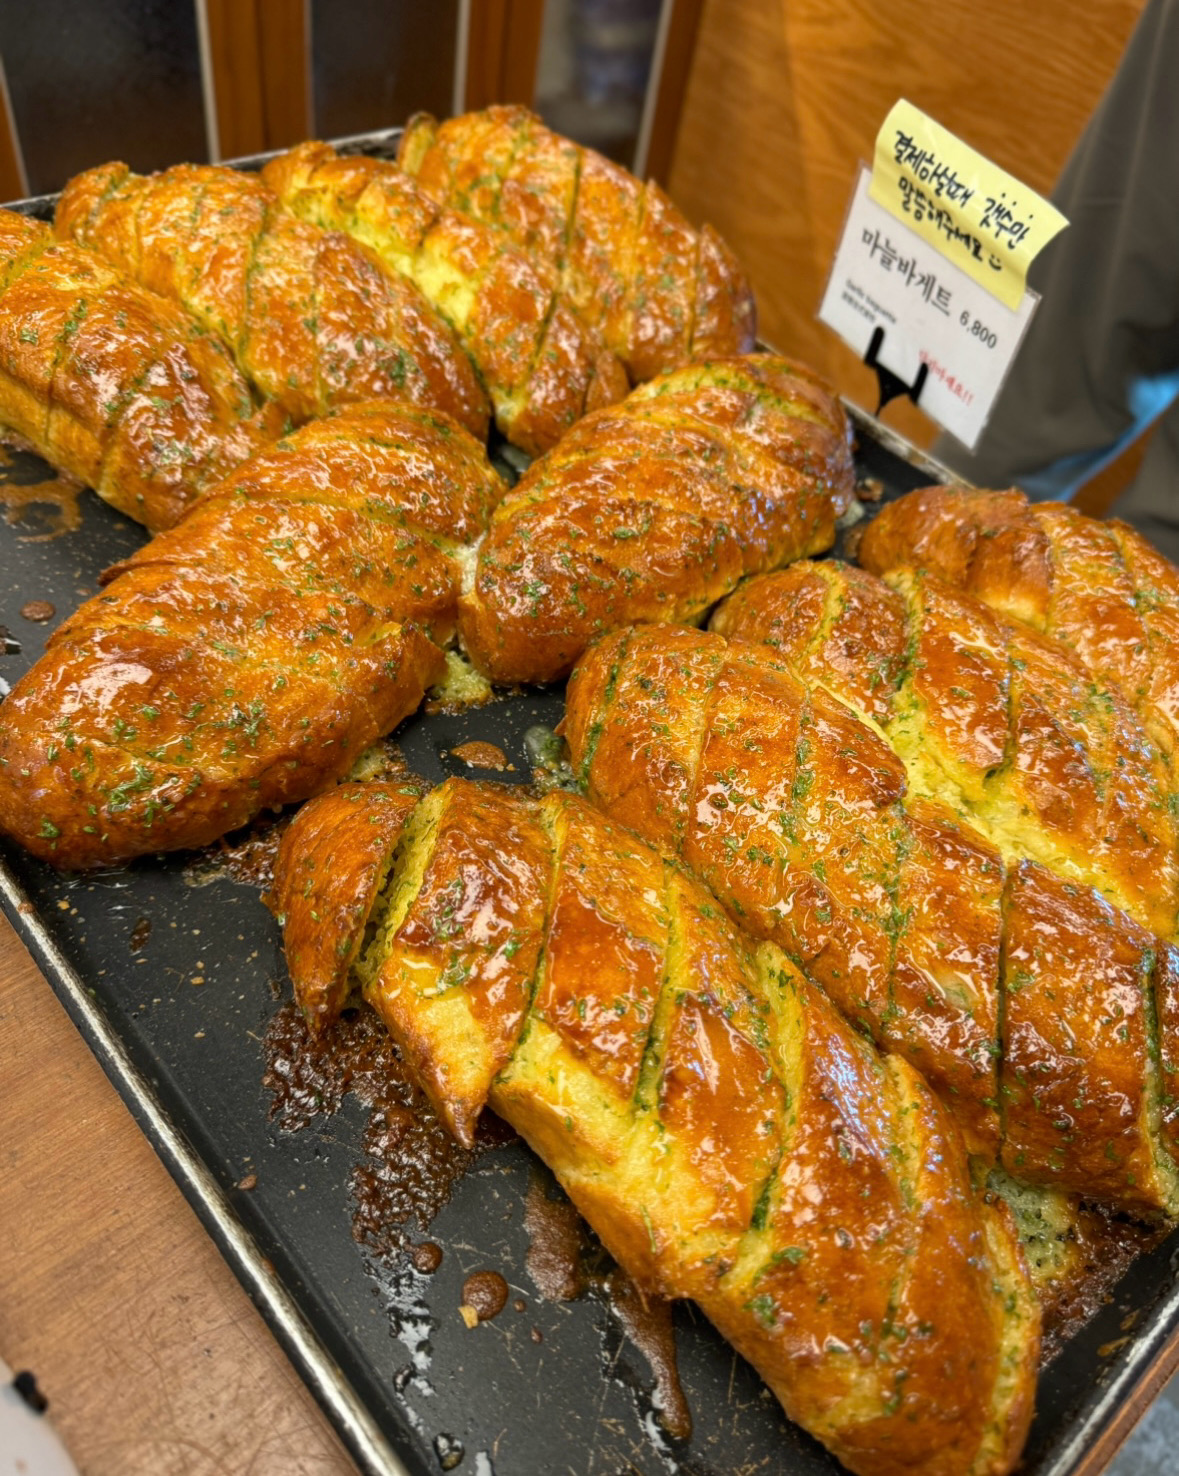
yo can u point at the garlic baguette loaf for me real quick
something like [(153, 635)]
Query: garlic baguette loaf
[(654, 509), (1005, 725), (1097, 586), (1072, 746), (542, 367), (112, 384), (312, 319), (658, 291), (729, 1137), (248, 656), (1026, 1000)]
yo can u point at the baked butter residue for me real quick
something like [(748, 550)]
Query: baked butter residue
[(461, 686), (565, 1261), (57, 497), (477, 754)]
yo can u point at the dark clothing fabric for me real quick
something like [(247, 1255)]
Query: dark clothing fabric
[(1101, 358)]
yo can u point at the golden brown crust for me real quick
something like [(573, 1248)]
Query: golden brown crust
[(1054, 765), (654, 509), (831, 623), (1076, 1078), (112, 384), (945, 988), (132, 739), (790, 809), (453, 978), (247, 657), (727, 1134), (1097, 587), (797, 816), (723, 310), (329, 869), (630, 265), (312, 319), (1164, 994), (1156, 598), (994, 718), (542, 367)]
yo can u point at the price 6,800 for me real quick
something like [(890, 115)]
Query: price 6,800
[(979, 330)]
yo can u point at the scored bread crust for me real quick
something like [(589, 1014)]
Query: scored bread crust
[(542, 367), (656, 508), (988, 715), (726, 1133), (312, 319), (1025, 997), (114, 385), (658, 291), (1099, 587), (247, 657)]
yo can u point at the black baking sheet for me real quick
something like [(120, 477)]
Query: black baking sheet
[(383, 1347)]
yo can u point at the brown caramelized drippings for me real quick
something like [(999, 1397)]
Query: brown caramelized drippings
[(477, 754), (40, 612), (425, 1258), (384, 763), (646, 1321), (556, 1245), (309, 1077), (248, 858), (410, 1167), (410, 1163), (57, 497), (487, 1293), (564, 1263), (1107, 1244)]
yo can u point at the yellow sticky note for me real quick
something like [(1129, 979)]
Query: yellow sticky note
[(977, 215)]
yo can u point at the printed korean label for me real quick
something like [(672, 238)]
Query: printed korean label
[(930, 312), (977, 215)]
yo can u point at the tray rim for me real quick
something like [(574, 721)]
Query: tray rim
[(298, 1338), (1085, 1450)]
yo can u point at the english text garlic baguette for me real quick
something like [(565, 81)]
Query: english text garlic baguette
[(729, 1137), (112, 384), (654, 509), (1027, 999), (1097, 586), (311, 318), (247, 657), (658, 291), (543, 368)]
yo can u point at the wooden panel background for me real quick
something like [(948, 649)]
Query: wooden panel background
[(503, 43), (258, 52), (785, 98)]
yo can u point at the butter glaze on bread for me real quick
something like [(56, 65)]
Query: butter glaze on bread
[(726, 1133), (1002, 723), (246, 658), (1099, 587), (311, 318), (543, 368), (654, 509), (114, 385), (1027, 1000), (658, 291)]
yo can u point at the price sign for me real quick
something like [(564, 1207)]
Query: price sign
[(931, 268), (931, 312), (977, 215)]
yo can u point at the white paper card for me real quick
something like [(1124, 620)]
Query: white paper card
[(886, 276)]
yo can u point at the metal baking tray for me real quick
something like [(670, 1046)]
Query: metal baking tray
[(382, 1347)]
